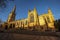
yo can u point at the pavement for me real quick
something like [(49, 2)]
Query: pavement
[(18, 36)]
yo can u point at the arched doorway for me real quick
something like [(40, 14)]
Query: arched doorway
[(6, 27), (13, 25), (10, 26)]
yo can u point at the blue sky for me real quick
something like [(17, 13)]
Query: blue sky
[(22, 7)]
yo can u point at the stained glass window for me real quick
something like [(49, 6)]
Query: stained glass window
[(48, 19), (31, 18)]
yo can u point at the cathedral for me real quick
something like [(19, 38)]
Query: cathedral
[(33, 21)]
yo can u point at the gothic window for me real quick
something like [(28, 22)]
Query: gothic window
[(31, 18), (26, 22), (10, 25), (48, 19), (21, 22), (6, 26), (13, 25)]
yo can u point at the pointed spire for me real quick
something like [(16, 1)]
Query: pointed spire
[(34, 8), (14, 9), (49, 11), (35, 11), (11, 16)]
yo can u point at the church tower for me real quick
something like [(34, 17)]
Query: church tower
[(11, 16), (50, 15), (50, 19), (36, 17), (33, 17)]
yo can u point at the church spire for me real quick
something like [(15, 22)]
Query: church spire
[(34, 8), (35, 11), (49, 11), (11, 16), (14, 9)]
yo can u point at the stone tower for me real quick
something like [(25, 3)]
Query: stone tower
[(33, 17), (51, 15), (11, 16), (51, 19)]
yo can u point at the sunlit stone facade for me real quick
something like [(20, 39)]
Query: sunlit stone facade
[(33, 21)]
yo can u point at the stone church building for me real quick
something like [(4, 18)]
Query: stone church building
[(33, 21)]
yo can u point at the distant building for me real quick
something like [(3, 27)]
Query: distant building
[(33, 21)]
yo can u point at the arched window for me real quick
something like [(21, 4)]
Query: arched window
[(21, 22), (31, 18), (13, 25), (6, 26), (26, 22), (10, 26), (48, 19)]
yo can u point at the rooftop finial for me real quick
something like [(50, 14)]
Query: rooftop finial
[(49, 11), (34, 8)]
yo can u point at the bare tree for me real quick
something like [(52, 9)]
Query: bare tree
[(57, 24), (3, 3), (0, 21)]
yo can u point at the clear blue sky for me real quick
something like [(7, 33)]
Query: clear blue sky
[(22, 7)]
